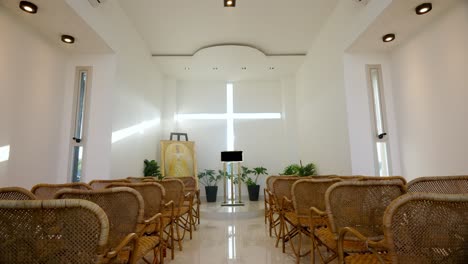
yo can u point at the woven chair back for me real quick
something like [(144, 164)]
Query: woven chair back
[(174, 191), (310, 193), (427, 228), (270, 179), (123, 207), (190, 183), (383, 178), (361, 205), (47, 191), (152, 193), (102, 184), (51, 231), (16, 193), (282, 187), (442, 184)]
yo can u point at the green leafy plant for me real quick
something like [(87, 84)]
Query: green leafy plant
[(209, 177), (257, 171), (300, 170), (152, 169)]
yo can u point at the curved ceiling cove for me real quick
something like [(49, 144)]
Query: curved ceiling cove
[(229, 62)]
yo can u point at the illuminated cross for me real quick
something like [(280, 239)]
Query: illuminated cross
[(229, 116)]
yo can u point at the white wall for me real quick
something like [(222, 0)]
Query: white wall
[(359, 113), (137, 92), (32, 76), (321, 99), (430, 81), (268, 143)]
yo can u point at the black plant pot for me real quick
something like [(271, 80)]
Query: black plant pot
[(254, 190), (211, 192)]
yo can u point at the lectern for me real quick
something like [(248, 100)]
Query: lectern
[(230, 158)]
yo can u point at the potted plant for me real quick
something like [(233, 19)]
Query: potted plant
[(252, 186), (151, 169), (210, 180), (299, 170)]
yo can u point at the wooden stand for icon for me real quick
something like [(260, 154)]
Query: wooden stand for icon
[(235, 199)]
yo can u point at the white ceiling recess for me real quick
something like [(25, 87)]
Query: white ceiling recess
[(181, 27), (54, 18), (231, 63), (398, 18)]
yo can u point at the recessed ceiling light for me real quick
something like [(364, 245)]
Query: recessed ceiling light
[(244, 68), (229, 3), (68, 39), (388, 38), (271, 68), (28, 7), (423, 8)]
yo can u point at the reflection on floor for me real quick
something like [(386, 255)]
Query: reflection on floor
[(232, 235)]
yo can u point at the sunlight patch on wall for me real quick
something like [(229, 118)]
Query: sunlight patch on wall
[(129, 131), (4, 153)]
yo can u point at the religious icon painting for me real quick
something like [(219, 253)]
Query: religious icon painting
[(178, 158)]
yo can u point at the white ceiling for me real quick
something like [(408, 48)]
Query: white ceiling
[(181, 27), (398, 18), (54, 18)]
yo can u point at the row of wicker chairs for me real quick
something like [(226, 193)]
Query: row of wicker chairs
[(361, 219), (106, 221)]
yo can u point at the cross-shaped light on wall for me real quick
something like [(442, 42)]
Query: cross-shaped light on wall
[(229, 116)]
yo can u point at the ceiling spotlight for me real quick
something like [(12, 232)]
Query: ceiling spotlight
[(28, 7), (244, 68), (423, 8), (388, 38), (271, 68), (68, 39), (229, 3)]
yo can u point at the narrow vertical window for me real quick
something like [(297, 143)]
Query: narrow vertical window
[(79, 125), (379, 120)]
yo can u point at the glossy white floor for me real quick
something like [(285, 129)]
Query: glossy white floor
[(232, 235)]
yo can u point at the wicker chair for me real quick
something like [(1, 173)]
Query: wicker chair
[(180, 215), (153, 195), (271, 208), (441, 184), (191, 186), (102, 184), (16, 193), (421, 228), (282, 187), (50, 231), (123, 222), (309, 204), (45, 191), (360, 205)]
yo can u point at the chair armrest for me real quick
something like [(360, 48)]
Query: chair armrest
[(286, 203), (358, 235), (125, 242), (171, 204), (314, 210), (153, 219)]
